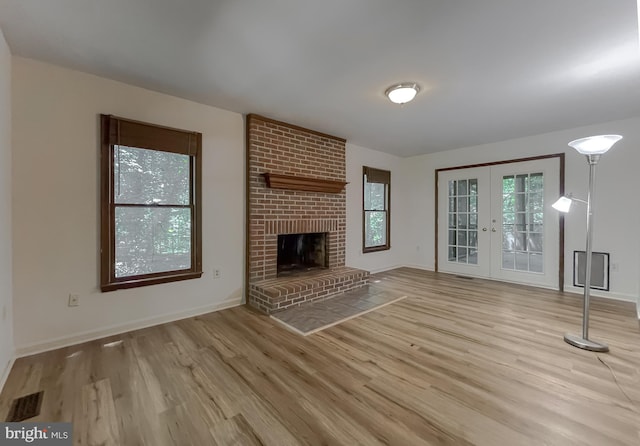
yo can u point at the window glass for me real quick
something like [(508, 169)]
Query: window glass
[(376, 224), (152, 240), (376, 185), (150, 176)]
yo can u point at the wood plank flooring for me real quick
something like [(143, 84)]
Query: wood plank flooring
[(460, 362)]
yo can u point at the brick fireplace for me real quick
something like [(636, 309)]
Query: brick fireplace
[(296, 180), (302, 252)]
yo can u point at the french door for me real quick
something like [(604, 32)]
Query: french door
[(497, 222)]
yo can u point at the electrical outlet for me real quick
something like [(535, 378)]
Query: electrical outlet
[(74, 300), (216, 273)]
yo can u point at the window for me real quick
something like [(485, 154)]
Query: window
[(376, 209), (150, 204)]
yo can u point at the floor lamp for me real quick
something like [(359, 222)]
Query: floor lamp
[(593, 147)]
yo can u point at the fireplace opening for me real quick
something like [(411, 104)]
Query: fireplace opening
[(301, 252)]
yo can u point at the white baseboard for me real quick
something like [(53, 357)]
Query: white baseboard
[(422, 267), (77, 338), (603, 294), (5, 373), (389, 268), (386, 268)]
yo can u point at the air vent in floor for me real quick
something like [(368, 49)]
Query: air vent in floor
[(25, 407)]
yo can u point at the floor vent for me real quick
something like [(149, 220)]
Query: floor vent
[(25, 407), (465, 277), (599, 270)]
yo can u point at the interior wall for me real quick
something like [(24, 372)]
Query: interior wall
[(616, 212), (6, 289), (56, 207), (357, 157)]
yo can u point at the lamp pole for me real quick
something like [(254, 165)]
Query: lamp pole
[(584, 342), (593, 147)]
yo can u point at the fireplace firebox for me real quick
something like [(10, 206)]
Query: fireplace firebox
[(301, 252)]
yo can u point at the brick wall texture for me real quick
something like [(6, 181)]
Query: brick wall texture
[(279, 148)]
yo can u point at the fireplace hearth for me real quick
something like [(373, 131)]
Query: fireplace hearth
[(298, 253), (291, 175)]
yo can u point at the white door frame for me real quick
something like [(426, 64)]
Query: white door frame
[(561, 160)]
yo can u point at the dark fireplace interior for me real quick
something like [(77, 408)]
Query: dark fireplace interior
[(301, 252)]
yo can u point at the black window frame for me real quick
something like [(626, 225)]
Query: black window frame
[(116, 131), (379, 176)]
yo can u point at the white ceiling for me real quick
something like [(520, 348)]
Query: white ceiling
[(489, 70)]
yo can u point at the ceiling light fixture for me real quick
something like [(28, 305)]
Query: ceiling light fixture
[(402, 93)]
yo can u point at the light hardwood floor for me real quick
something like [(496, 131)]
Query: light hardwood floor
[(457, 362)]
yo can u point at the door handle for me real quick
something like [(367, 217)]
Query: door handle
[(493, 229), (484, 229)]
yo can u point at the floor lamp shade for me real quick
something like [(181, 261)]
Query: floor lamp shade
[(595, 145)]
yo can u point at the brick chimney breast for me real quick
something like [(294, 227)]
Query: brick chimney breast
[(279, 148)]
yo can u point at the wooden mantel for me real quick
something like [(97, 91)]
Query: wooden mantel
[(277, 181)]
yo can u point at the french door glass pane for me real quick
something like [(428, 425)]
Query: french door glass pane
[(473, 187), (452, 221), (536, 182), (473, 256), (463, 204), (463, 221), (522, 261), (452, 254), (152, 240), (473, 220), (462, 187), (535, 263), (522, 222), (473, 239), (508, 260)]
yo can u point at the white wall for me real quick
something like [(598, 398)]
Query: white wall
[(617, 214), (56, 207), (382, 260), (6, 289)]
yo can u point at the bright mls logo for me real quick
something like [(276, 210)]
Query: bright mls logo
[(35, 434)]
